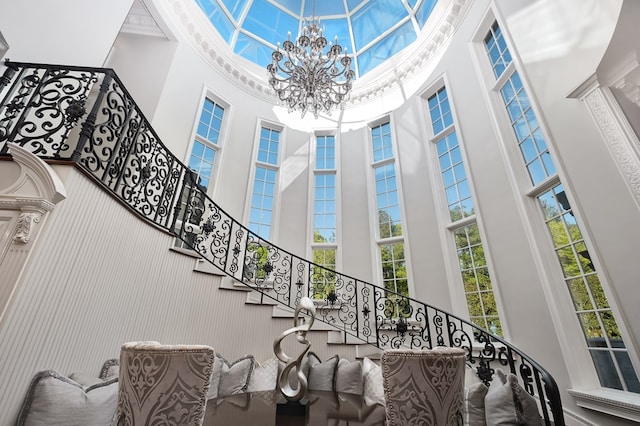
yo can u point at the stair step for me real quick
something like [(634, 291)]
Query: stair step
[(280, 311), (205, 267), (368, 351), (337, 337), (258, 298), (229, 283)]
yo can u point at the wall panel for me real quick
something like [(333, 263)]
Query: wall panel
[(98, 277)]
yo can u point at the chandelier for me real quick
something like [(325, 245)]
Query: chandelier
[(306, 79)]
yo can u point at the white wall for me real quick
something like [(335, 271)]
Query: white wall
[(68, 32), (590, 173), (99, 277), (558, 44), (142, 62)]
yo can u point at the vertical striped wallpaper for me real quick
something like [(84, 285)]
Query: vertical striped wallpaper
[(99, 276)]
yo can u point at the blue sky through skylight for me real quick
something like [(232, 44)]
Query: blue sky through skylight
[(370, 30)]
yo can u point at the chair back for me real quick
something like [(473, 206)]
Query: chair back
[(163, 384), (424, 387)]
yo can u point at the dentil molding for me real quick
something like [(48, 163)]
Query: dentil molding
[(195, 27)]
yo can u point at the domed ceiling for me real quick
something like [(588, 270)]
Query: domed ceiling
[(370, 30)]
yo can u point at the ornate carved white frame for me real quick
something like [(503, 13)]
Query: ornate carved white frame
[(621, 140), (34, 192)]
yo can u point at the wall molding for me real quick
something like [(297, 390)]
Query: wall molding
[(217, 53), (33, 191), (614, 403), (617, 133)]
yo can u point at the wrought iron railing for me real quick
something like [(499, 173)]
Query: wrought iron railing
[(87, 117)]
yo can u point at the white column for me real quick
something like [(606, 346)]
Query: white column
[(617, 133)]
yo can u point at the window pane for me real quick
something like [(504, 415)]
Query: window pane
[(375, 18), (590, 302), (387, 47)]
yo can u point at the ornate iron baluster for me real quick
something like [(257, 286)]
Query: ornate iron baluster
[(5, 123), (157, 183), (89, 124)]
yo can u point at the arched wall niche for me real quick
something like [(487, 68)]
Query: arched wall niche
[(33, 189)]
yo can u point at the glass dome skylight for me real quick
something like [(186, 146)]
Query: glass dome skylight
[(372, 29)]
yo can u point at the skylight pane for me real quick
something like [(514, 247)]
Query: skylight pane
[(352, 4), (292, 6), (375, 18), (324, 8), (218, 18), (253, 50), (235, 7), (269, 23), (423, 12), (340, 28), (386, 48), (412, 3)]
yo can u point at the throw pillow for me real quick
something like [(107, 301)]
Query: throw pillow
[(507, 403), (110, 368), (322, 375), (372, 381), (53, 399), (264, 376), (234, 378), (84, 379), (216, 371), (474, 395), (349, 378)]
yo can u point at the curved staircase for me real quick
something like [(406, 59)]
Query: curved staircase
[(86, 117)]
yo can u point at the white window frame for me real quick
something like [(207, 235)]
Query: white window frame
[(373, 208), (218, 148), (222, 138), (260, 123), (311, 246), (582, 371), (452, 268)]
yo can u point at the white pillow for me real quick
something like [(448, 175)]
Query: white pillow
[(373, 384), (473, 411), (110, 369), (84, 379), (230, 379), (322, 375), (264, 376), (500, 404), (349, 378), (53, 399)]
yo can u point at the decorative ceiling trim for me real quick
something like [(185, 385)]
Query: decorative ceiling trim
[(139, 21), (216, 52)]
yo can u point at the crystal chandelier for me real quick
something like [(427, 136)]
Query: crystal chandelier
[(306, 79)]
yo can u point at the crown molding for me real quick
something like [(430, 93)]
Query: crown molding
[(405, 65), (139, 21)]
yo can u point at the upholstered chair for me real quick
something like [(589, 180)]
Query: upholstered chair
[(163, 384), (424, 387)]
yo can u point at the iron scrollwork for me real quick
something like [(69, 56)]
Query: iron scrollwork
[(41, 108)]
